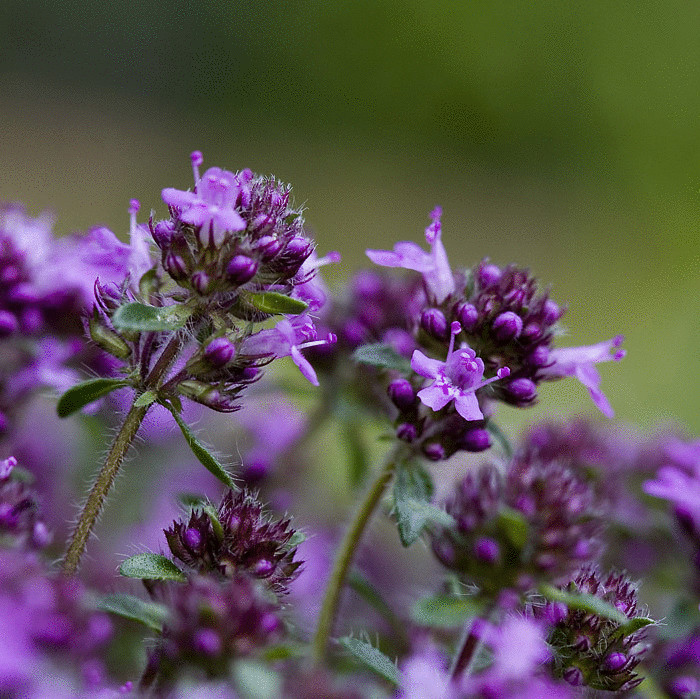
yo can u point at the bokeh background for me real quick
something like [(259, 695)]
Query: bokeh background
[(562, 136)]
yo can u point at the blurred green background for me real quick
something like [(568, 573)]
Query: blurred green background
[(562, 136)]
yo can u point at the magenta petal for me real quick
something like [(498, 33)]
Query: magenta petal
[(304, 367), (590, 378), (178, 198), (230, 220), (467, 405), (384, 258), (425, 366), (436, 396)]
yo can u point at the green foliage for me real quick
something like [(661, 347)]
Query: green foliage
[(205, 457), (382, 356), (274, 303), (139, 317), (444, 611), (84, 393), (149, 614), (585, 602), (371, 658), (151, 566)]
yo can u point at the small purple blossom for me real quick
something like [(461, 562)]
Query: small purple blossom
[(433, 265), (580, 363), (456, 379), (288, 338), (211, 207)]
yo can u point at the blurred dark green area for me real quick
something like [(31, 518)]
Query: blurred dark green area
[(562, 136)]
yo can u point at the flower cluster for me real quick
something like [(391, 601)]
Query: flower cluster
[(237, 538), (593, 650), (537, 520)]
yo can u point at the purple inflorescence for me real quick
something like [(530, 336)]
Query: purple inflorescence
[(594, 650), (237, 538), (210, 624), (535, 520)]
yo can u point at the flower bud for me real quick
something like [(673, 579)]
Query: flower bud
[(433, 321), (241, 269), (220, 352), (488, 275), (162, 233), (507, 326), (487, 550), (406, 432), (523, 390), (268, 246), (175, 266), (475, 440), (402, 394), (467, 315), (434, 451), (108, 340), (8, 323)]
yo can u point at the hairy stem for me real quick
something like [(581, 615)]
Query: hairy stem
[(468, 646), (105, 478), (102, 485), (346, 553)]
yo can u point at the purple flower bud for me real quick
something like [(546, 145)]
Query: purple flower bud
[(488, 275), (175, 266), (531, 332), (433, 321), (556, 612), (406, 432), (241, 269), (193, 538), (31, 320), (263, 568), (475, 440), (684, 686), (400, 340), (402, 394), (539, 356), (268, 246), (507, 326), (264, 223), (573, 676), (220, 352), (207, 642), (434, 451), (487, 550), (8, 323), (6, 466), (200, 281), (582, 643), (467, 315), (270, 622), (299, 248), (522, 390), (550, 312), (614, 662), (23, 294), (163, 233)]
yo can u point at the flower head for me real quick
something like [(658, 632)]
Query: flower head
[(433, 265), (456, 379)]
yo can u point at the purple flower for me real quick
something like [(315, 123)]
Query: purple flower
[(579, 362), (287, 338), (433, 265), (211, 207), (456, 379), (310, 287)]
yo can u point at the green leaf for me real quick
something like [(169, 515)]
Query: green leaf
[(274, 303), (142, 318), (151, 566), (256, 680), (207, 459), (284, 651), (369, 593), (500, 437), (412, 491), (383, 356), (297, 538), (513, 526), (214, 519), (150, 614), (191, 500), (635, 624), (444, 611), (584, 602), (85, 393), (146, 398), (372, 658)]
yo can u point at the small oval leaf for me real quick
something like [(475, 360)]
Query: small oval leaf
[(444, 611), (274, 303), (149, 614), (372, 658), (584, 602), (382, 356), (142, 318), (207, 459), (151, 566), (146, 398), (85, 393)]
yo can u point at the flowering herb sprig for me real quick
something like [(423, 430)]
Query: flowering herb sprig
[(505, 599)]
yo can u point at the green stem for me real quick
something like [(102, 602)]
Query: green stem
[(102, 485), (345, 555)]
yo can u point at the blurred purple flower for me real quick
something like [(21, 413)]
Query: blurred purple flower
[(580, 363), (433, 265)]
